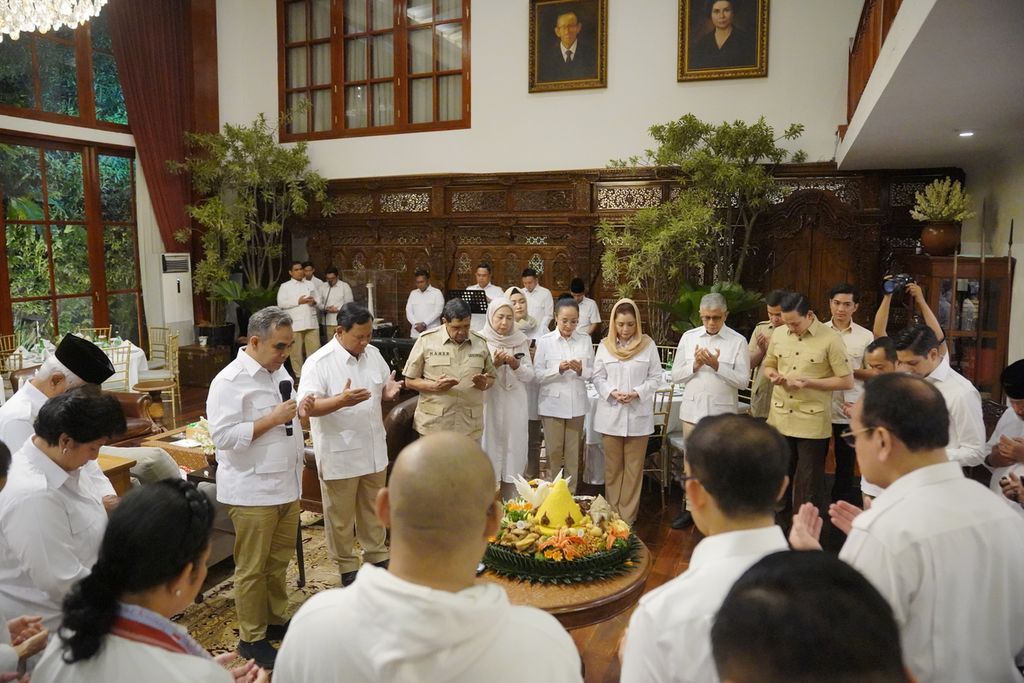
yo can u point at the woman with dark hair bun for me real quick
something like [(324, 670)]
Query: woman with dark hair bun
[(51, 513), (151, 566)]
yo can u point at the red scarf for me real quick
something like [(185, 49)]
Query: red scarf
[(143, 633)]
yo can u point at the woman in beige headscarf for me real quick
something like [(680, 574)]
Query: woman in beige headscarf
[(627, 372), (505, 409)]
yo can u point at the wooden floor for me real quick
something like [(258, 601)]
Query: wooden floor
[(670, 556)]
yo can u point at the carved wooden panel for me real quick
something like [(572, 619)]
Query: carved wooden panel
[(464, 201), (542, 200), (404, 202)]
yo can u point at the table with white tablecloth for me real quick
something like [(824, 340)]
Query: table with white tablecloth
[(593, 467), (137, 361)]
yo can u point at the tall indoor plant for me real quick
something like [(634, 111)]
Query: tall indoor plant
[(942, 206), (250, 187)]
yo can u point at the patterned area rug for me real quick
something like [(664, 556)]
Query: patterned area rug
[(214, 623)]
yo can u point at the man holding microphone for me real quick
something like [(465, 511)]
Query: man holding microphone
[(254, 427)]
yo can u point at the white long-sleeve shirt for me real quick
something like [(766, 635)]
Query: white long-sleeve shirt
[(541, 307), (303, 315), (949, 558), (1011, 426), (263, 471), (350, 441), (707, 391), (51, 525), (563, 394), (856, 339), (966, 423), (642, 374), (424, 307), (669, 635), (336, 296)]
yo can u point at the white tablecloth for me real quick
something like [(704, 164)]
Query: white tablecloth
[(593, 467)]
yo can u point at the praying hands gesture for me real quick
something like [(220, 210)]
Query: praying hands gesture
[(576, 365), (762, 342), (705, 357), (483, 381), (805, 533), (28, 635), (624, 397), (502, 357), (246, 673), (444, 383)]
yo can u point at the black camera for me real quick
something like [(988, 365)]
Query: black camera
[(896, 283)]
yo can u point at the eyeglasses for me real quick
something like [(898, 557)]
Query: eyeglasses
[(850, 435)]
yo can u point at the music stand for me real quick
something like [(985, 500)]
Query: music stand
[(476, 298)]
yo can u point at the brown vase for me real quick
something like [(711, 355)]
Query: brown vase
[(940, 238)]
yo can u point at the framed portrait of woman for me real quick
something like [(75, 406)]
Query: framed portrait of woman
[(568, 44), (722, 39)]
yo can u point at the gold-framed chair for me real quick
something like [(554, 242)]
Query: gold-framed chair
[(169, 373), (11, 360), (656, 462), (158, 337), (666, 354), (95, 333), (120, 358)]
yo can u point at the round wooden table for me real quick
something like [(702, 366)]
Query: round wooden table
[(580, 604), (155, 388)]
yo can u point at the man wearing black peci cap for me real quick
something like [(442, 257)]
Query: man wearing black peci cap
[(1005, 448), (76, 362)]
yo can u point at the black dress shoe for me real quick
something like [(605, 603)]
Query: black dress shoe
[(347, 578), (383, 564), (277, 631), (683, 521), (262, 651)]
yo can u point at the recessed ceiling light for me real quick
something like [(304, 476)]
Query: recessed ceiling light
[(966, 133)]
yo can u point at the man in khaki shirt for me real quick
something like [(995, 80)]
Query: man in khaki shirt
[(806, 361), (451, 367), (761, 388)]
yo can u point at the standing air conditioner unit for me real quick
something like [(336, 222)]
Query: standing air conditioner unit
[(176, 288)]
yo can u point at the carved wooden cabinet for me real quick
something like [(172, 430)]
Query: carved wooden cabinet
[(971, 299)]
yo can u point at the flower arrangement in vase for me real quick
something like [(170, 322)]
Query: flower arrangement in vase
[(942, 206)]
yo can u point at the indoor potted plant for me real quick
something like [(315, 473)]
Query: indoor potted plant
[(942, 206)]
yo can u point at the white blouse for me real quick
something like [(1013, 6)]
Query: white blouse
[(642, 373), (563, 394), (51, 526)]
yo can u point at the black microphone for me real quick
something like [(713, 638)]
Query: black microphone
[(286, 393)]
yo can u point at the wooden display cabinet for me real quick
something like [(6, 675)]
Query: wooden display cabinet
[(198, 365), (975, 312)]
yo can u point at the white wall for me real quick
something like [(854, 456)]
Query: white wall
[(997, 187), (513, 130), (150, 243)]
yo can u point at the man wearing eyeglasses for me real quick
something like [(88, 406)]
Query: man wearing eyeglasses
[(945, 552)]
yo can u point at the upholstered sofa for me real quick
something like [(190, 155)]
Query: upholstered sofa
[(135, 406)]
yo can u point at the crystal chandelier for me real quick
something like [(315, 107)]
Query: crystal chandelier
[(26, 16)]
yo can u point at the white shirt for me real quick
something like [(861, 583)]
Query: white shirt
[(541, 307), (51, 525), (563, 394), (264, 471), (669, 635), (1011, 426), (642, 374), (856, 339), (350, 441), (589, 315), (17, 418), (711, 392), (382, 628), (949, 558), (336, 296), (966, 423), (120, 659), (492, 292), (303, 315), (424, 307)]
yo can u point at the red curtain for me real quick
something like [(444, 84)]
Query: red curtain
[(151, 47)]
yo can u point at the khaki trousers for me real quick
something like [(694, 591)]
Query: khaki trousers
[(308, 340), (264, 545), (349, 514), (562, 437), (534, 439), (623, 473)]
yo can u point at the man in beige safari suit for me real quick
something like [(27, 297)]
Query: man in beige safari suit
[(451, 368)]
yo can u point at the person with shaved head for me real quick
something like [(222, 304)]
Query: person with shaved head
[(426, 618)]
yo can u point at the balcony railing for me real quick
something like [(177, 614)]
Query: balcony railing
[(875, 20)]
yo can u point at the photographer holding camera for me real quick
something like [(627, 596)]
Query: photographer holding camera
[(903, 282)]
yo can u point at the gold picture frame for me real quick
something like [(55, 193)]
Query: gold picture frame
[(554, 22), (703, 56)]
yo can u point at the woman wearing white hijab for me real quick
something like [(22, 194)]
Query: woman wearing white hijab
[(505, 408)]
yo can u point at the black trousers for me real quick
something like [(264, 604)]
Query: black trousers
[(844, 487)]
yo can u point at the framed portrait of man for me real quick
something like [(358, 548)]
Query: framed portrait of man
[(722, 39), (568, 44)]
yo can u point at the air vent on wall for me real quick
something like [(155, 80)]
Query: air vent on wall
[(175, 263)]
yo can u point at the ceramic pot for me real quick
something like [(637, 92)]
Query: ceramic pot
[(940, 238)]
